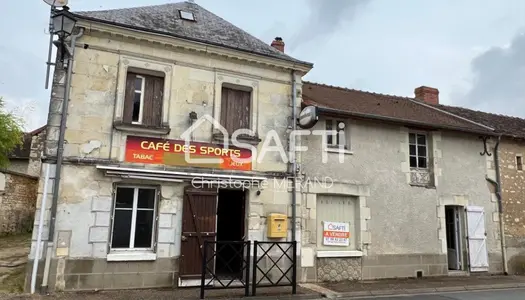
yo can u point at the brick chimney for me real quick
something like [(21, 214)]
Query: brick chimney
[(278, 44), (429, 95)]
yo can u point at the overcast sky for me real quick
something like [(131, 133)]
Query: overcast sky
[(473, 51)]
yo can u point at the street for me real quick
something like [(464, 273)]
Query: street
[(510, 294)]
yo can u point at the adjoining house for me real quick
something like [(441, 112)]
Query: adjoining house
[(26, 158), (131, 209), (510, 155), (410, 195), (19, 184)]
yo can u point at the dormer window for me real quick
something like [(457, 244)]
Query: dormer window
[(187, 15)]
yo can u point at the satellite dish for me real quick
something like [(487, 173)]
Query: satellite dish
[(56, 3)]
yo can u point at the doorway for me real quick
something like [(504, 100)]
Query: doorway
[(230, 227), (455, 236)]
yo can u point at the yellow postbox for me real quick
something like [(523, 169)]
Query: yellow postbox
[(277, 225)]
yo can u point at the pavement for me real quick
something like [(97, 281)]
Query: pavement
[(432, 288)]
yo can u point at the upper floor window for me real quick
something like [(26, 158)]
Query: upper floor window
[(418, 144), (235, 109), (143, 99), (336, 135)]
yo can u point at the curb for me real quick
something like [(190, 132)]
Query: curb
[(416, 291)]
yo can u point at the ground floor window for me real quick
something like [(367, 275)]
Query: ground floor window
[(337, 218), (134, 215)]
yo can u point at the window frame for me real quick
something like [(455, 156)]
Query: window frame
[(519, 162), (134, 210), (427, 158), (332, 141), (142, 92)]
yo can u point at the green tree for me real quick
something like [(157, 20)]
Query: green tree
[(11, 133)]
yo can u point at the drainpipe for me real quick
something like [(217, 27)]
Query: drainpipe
[(294, 161), (497, 184), (60, 152)]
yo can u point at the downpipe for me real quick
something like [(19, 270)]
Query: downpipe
[(294, 160), (43, 205), (497, 185), (60, 158)]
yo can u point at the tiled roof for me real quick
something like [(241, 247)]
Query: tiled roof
[(23, 150), (385, 107), (505, 125), (208, 27)]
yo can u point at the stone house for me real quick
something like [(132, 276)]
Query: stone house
[(26, 158), (146, 80), (511, 131), (410, 195)]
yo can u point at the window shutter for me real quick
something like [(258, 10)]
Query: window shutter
[(235, 109), (128, 98), (225, 110), (244, 109), (151, 115)]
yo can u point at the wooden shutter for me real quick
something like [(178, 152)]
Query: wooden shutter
[(199, 214), (235, 109), (152, 107), (477, 239), (127, 115)]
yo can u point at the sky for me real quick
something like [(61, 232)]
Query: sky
[(473, 51)]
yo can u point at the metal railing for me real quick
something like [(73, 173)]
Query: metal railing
[(237, 266), (273, 264), (275, 274)]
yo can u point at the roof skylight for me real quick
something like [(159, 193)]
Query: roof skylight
[(187, 15)]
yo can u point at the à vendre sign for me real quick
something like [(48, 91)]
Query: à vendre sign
[(173, 153), (336, 234)]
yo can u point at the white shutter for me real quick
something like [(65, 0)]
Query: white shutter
[(477, 239)]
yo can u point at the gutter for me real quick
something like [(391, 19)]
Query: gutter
[(294, 161), (402, 121), (60, 158), (497, 185)]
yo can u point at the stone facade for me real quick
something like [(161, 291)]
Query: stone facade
[(513, 200), (401, 225), (80, 255), (28, 161), (18, 194)]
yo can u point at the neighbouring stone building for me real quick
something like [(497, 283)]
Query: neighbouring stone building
[(510, 159), (131, 210), (26, 158), (18, 193), (409, 196)]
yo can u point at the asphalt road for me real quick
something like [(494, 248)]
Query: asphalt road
[(511, 294)]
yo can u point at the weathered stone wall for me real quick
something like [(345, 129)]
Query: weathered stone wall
[(35, 155), (18, 165), (17, 202), (513, 199)]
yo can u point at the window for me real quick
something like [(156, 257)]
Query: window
[(418, 150), (337, 138), (341, 210), (235, 109), (519, 163), (187, 15), (134, 216), (143, 99)]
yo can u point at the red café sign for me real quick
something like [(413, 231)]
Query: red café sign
[(174, 153)]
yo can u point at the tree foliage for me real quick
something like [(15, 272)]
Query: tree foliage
[(11, 133)]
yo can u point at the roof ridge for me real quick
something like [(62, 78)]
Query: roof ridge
[(484, 112), (360, 91), (128, 8)]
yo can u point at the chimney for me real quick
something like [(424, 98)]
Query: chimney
[(429, 95), (278, 44)]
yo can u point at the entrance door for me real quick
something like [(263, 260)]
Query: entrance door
[(230, 228), (478, 256), (199, 213), (454, 237)]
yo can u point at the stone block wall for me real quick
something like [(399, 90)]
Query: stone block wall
[(18, 194), (513, 199)]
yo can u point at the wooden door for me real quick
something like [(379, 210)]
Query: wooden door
[(199, 215), (477, 239)]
